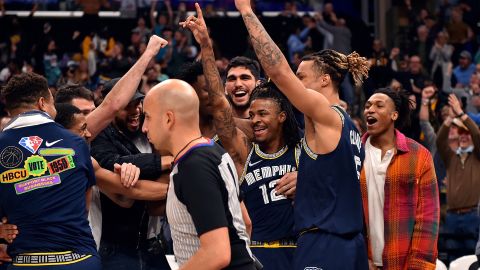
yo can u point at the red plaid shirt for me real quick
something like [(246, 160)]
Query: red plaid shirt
[(411, 209)]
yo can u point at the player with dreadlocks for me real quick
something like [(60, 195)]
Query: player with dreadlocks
[(271, 158), (328, 205)]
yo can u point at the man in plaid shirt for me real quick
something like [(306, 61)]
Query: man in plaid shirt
[(399, 189)]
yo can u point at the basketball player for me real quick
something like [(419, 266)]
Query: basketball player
[(328, 209), (202, 202), (44, 186), (264, 163)]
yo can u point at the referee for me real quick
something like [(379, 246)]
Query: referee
[(202, 203)]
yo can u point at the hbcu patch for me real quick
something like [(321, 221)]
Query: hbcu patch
[(36, 165), (11, 157), (61, 164), (37, 183), (13, 176), (31, 143)]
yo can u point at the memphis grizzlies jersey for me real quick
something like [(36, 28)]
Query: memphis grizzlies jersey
[(271, 214), (328, 189), (45, 171)]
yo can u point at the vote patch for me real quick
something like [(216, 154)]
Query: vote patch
[(36, 165), (11, 157)]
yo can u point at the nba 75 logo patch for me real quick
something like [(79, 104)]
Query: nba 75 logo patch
[(31, 143)]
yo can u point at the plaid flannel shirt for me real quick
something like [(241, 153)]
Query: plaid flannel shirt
[(411, 208)]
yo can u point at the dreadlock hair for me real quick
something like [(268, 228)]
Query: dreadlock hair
[(337, 65), (268, 90), (402, 105)]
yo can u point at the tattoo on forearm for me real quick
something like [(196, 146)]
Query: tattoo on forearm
[(267, 51), (212, 76)]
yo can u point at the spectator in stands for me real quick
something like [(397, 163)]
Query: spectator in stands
[(460, 33), (143, 30), (420, 46), (118, 63), (340, 32), (398, 177), (296, 44), (321, 38), (380, 73), (463, 183), (440, 55), (427, 116), (50, 63), (414, 79), (469, 94), (465, 69), (181, 52), (163, 20)]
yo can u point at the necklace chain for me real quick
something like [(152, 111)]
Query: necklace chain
[(175, 158)]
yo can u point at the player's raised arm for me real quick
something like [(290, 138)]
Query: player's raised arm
[(276, 66), (123, 90), (233, 140)]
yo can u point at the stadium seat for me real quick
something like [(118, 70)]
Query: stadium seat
[(463, 263)]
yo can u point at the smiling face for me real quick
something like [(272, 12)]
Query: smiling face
[(380, 114), (267, 120), (129, 118), (239, 85), (464, 138)]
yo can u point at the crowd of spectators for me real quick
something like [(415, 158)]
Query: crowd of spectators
[(434, 52)]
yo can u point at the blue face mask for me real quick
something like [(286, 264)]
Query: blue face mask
[(464, 150)]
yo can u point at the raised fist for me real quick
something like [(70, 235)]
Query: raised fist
[(154, 45), (243, 5), (428, 92)]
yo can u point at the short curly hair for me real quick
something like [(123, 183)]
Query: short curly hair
[(24, 90)]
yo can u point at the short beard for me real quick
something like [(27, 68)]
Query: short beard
[(238, 107)]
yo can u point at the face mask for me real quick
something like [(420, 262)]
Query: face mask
[(464, 151)]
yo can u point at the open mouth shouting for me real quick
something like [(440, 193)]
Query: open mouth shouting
[(371, 121), (133, 121)]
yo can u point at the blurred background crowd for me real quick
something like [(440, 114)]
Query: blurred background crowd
[(429, 48)]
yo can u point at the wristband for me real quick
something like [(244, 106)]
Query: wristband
[(461, 114)]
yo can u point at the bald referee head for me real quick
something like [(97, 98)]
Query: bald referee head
[(171, 116)]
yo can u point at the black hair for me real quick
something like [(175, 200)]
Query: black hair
[(24, 89), (189, 72), (402, 105), (242, 61), (66, 93), (268, 90), (65, 114), (337, 65)]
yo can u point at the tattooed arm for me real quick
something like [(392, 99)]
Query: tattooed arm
[(311, 103), (233, 139)]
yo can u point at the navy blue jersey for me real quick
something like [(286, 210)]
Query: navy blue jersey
[(271, 214), (328, 190), (45, 171)]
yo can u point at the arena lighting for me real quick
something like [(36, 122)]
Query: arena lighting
[(118, 14)]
